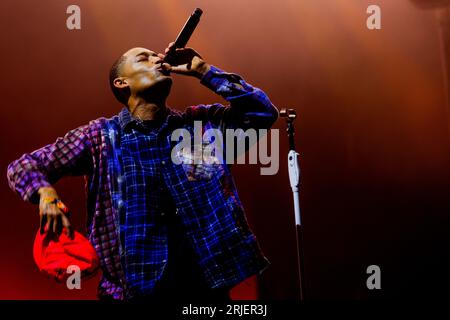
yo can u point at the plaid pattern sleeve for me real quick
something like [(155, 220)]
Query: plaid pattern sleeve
[(69, 155), (249, 106), (81, 151)]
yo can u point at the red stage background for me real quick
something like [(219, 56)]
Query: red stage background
[(373, 130)]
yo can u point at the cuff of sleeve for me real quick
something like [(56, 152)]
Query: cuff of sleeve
[(31, 192), (208, 77)]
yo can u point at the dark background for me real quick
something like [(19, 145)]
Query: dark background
[(373, 130)]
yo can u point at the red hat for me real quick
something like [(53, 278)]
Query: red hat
[(53, 257)]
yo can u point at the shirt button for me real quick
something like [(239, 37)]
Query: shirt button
[(164, 261), (163, 162), (163, 214), (120, 204), (120, 179)]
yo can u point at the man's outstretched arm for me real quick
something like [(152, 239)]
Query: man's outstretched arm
[(32, 175)]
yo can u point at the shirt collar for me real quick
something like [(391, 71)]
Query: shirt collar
[(126, 119)]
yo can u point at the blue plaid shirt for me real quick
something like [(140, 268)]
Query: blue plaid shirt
[(149, 185)]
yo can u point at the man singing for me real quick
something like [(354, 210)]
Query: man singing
[(160, 230)]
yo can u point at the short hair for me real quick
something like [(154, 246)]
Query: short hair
[(115, 73)]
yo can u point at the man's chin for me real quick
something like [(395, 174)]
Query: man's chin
[(165, 80), (167, 77), (161, 86), (164, 77)]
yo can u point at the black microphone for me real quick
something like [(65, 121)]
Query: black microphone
[(185, 33)]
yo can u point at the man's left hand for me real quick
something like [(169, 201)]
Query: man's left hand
[(186, 61)]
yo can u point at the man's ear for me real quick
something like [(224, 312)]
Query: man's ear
[(120, 83)]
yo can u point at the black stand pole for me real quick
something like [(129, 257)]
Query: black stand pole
[(294, 178)]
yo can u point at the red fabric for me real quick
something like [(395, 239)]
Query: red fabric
[(54, 257)]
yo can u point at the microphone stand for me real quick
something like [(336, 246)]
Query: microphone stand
[(294, 178)]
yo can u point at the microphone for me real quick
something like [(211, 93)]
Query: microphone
[(185, 34)]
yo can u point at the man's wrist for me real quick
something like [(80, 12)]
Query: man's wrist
[(48, 192), (202, 69)]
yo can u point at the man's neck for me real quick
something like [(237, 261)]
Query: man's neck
[(145, 110)]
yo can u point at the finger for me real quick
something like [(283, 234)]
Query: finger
[(166, 66), (189, 51), (55, 225), (43, 221), (59, 225), (185, 51), (170, 47), (162, 56), (62, 207), (181, 69), (178, 69), (48, 226), (68, 226)]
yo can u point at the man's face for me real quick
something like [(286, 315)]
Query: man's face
[(142, 73)]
